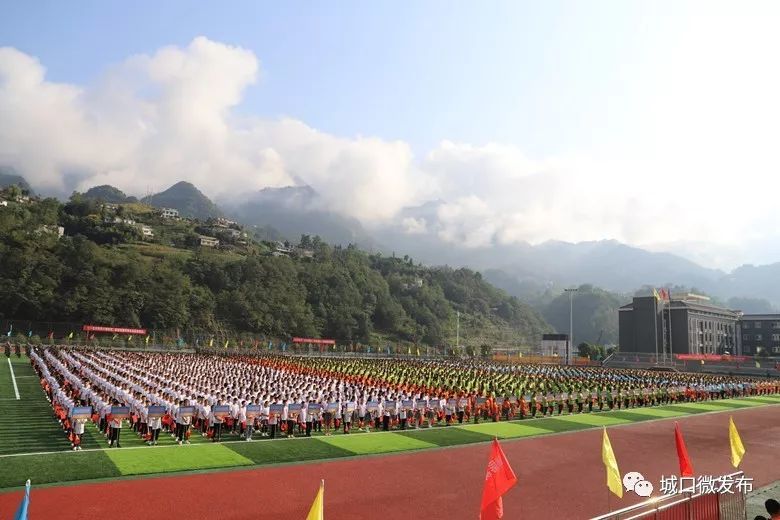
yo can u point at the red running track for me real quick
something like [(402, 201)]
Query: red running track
[(560, 476)]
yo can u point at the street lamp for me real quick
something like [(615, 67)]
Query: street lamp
[(571, 292)]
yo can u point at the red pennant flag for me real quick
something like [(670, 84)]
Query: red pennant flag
[(686, 468), (499, 478)]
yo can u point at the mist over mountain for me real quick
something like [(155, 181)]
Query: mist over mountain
[(535, 273), (296, 211), (9, 177)]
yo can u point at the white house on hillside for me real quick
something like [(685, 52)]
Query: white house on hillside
[(170, 213), (208, 241)]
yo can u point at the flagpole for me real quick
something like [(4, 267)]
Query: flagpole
[(655, 323), (671, 347)]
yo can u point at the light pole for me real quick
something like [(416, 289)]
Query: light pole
[(457, 330), (569, 351)]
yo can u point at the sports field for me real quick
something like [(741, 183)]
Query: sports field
[(33, 446)]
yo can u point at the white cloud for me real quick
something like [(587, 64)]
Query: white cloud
[(414, 226), (156, 119)]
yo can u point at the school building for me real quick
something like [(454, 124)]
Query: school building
[(683, 324)]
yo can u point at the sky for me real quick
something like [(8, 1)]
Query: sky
[(652, 123)]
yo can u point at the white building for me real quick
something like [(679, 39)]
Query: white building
[(170, 213), (208, 241), (59, 230), (147, 232)]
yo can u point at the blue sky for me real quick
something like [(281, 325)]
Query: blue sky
[(533, 73), (647, 122)]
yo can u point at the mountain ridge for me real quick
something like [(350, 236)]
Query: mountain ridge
[(521, 268)]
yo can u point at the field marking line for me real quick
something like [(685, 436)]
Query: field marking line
[(13, 378), (375, 433)]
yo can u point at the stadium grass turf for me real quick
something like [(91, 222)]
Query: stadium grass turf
[(40, 432)]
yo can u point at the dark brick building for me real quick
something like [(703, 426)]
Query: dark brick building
[(687, 324), (760, 332)]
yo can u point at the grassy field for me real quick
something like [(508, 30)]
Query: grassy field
[(27, 428)]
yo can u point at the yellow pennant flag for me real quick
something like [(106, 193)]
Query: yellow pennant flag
[(614, 483), (737, 449), (147, 340), (70, 336), (129, 338), (418, 351), (316, 512), (227, 342)]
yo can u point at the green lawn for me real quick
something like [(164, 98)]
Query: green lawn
[(27, 426)]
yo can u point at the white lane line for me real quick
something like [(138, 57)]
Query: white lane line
[(13, 378)]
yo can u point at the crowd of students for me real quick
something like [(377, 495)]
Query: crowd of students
[(272, 396)]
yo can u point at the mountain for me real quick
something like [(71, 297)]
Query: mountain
[(524, 269), (108, 194), (296, 211), (9, 177), (756, 281), (594, 313), (171, 284), (186, 198)]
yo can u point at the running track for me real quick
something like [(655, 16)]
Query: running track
[(560, 476)]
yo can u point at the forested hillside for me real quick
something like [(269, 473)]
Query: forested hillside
[(101, 271)]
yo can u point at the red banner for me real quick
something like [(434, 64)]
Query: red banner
[(114, 330), (315, 341), (709, 357)]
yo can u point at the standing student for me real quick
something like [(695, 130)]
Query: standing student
[(182, 424), (309, 418), (115, 428), (361, 414), (154, 424), (326, 416), (215, 422), (450, 412), (402, 415), (346, 417), (273, 419), (386, 418), (78, 431)]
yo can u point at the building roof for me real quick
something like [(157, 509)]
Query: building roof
[(760, 317), (696, 305)]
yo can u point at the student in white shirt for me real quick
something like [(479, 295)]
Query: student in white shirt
[(154, 424), (215, 422)]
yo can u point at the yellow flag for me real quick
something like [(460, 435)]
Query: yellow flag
[(614, 483), (70, 336), (129, 338), (409, 351), (418, 351), (702, 361), (147, 340), (227, 342), (737, 449), (656, 295), (211, 342), (316, 512)]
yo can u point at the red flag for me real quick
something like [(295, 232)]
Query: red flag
[(686, 468), (499, 478)]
